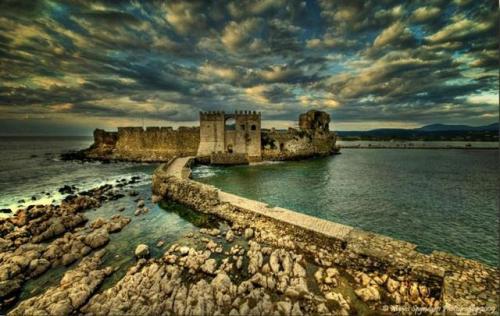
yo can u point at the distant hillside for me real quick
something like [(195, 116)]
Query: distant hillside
[(445, 127), (433, 132)]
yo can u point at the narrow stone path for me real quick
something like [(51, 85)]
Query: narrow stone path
[(311, 223), (178, 168)]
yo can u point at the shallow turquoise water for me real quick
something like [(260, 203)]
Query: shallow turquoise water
[(437, 199), (166, 221)]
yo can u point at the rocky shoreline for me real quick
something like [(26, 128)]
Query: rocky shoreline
[(231, 270), (42, 237), (238, 264)]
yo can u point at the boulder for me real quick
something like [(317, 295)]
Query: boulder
[(142, 251), (368, 294), (97, 238), (248, 233), (38, 266), (184, 250), (298, 270), (98, 223), (209, 266), (230, 236), (392, 285)]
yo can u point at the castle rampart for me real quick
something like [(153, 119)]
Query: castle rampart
[(222, 138), (150, 144)]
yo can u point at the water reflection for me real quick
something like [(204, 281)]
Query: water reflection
[(196, 218)]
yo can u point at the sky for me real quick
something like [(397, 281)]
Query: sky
[(67, 67)]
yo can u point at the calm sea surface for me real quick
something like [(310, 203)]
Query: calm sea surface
[(438, 199)]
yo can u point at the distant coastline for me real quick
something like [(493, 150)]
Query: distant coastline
[(428, 133), (403, 144)]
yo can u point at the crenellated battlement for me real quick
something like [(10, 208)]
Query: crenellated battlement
[(221, 115)]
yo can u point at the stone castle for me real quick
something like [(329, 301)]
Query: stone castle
[(221, 138), (230, 138)]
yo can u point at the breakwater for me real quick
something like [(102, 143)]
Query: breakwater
[(458, 284)]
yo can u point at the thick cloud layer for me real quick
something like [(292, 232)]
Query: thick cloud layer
[(70, 66)]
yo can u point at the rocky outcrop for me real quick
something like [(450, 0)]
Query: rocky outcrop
[(44, 236), (188, 281), (30, 260), (74, 290)]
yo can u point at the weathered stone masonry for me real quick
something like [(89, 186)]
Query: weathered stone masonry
[(221, 139), (150, 144), (222, 142)]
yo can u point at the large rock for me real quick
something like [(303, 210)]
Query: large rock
[(392, 285), (142, 251), (74, 289), (368, 294), (97, 238), (248, 233), (209, 266)]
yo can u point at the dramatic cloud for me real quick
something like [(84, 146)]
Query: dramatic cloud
[(75, 65)]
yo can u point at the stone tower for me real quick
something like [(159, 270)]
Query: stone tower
[(313, 120), (230, 138)]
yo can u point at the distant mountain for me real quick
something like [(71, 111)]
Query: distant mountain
[(445, 127), (441, 132)]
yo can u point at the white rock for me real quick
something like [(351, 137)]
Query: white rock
[(184, 250), (209, 266), (142, 251), (248, 233), (239, 262), (298, 270), (230, 236)]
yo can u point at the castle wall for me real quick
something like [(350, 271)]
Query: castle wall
[(151, 144), (211, 133), (216, 142)]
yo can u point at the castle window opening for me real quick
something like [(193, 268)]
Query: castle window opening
[(230, 124), (242, 127), (230, 148), (254, 127), (282, 146)]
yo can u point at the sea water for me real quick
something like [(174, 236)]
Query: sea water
[(439, 199)]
